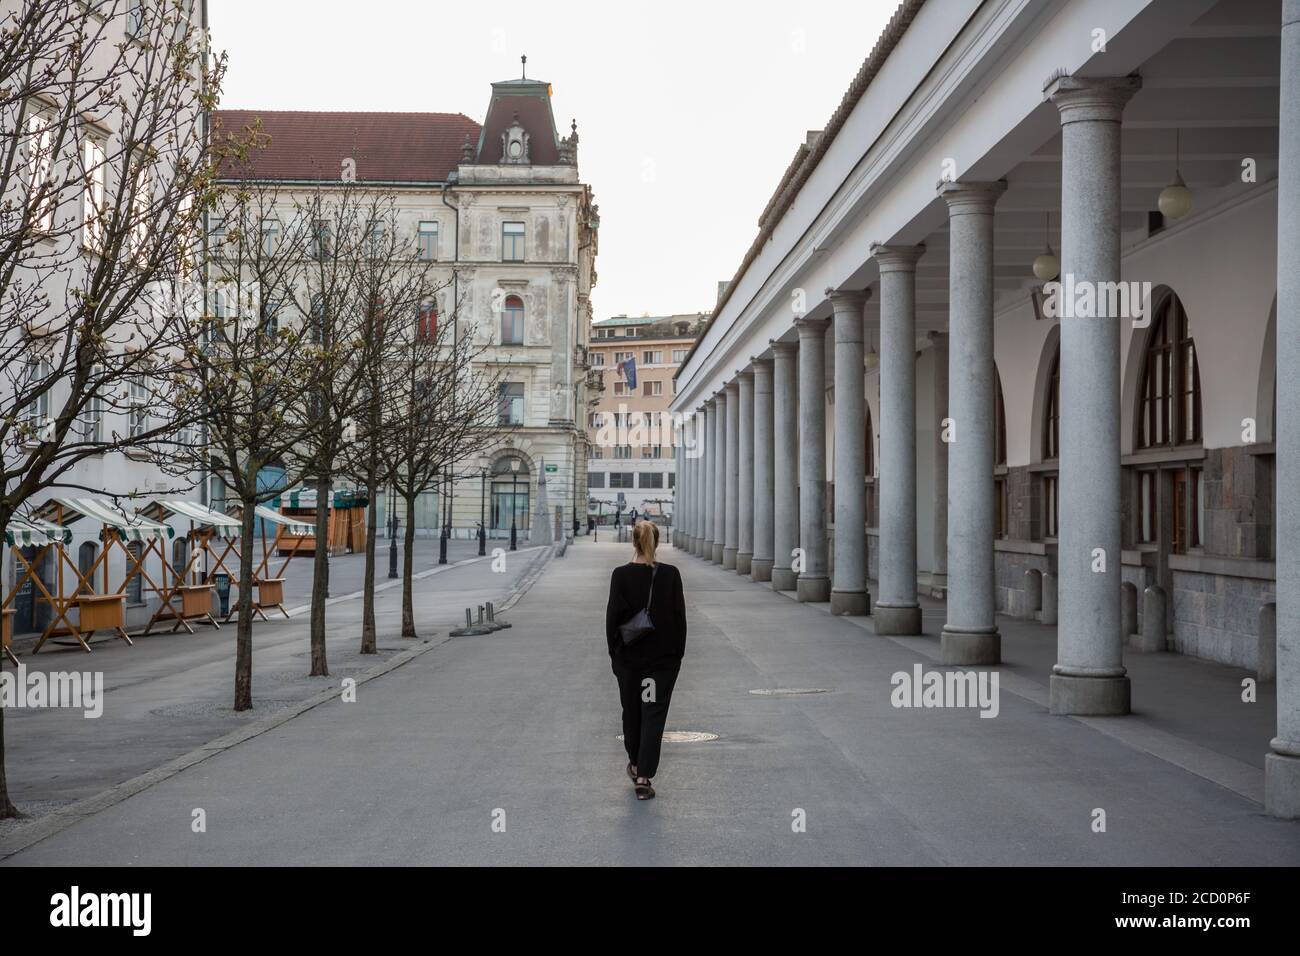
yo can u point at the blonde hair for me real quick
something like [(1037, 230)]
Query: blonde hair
[(645, 538)]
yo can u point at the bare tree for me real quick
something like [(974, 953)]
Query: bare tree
[(258, 362), (399, 292), (103, 173), (447, 406)]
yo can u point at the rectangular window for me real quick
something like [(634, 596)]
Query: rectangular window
[(141, 206), (672, 479), (426, 326), (1147, 506), (652, 357), (270, 236), (37, 413), (652, 479), (621, 479), (621, 357), (40, 145), (428, 240), (1002, 508), (623, 451), (134, 18), (595, 479), (620, 388), (512, 242), (321, 239), (138, 413), (679, 356), (90, 427), (651, 389), (1050, 487), (512, 403), (92, 217), (598, 360), (375, 234)]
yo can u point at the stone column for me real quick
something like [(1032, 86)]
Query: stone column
[(970, 635), (897, 610), (709, 428), (1282, 765), (1089, 676), (732, 527), (678, 498), (681, 510), (701, 510), (761, 566), (745, 465), (785, 463), (939, 575), (814, 585), (719, 475), (849, 579)]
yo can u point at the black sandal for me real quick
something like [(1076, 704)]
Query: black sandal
[(643, 790), (631, 772)]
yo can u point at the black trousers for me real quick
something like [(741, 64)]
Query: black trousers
[(645, 712)]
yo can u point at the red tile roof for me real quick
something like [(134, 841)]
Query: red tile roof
[(387, 147)]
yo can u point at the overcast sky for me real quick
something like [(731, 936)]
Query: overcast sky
[(688, 112)]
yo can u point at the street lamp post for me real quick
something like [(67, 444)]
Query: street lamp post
[(514, 503), (482, 507), (446, 522), (392, 532)]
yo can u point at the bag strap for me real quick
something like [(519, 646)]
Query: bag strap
[(654, 569)]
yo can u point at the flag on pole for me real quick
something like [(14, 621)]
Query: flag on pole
[(628, 367)]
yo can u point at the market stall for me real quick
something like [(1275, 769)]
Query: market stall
[(103, 610), (289, 532), (22, 536), (346, 526), (187, 592)]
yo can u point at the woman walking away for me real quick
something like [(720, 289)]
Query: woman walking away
[(645, 626)]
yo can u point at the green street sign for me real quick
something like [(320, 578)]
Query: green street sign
[(552, 469)]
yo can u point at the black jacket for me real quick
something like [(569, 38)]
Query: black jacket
[(629, 586)]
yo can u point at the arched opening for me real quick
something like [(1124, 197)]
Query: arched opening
[(1169, 492), (86, 554), (135, 583), (512, 321), (510, 494), (180, 554)]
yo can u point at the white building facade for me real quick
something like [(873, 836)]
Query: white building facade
[(917, 407), (501, 209)]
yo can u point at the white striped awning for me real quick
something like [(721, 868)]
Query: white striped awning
[(201, 515), (128, 527), (23, 533), (294, 525)]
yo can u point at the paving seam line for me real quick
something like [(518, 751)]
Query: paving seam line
[(1231, 774), (47, 826)]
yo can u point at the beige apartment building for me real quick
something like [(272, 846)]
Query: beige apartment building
[(629, 429)]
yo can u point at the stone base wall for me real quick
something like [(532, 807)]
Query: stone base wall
[(1238, 488), (1009, 576), (1216, 616), (1140, 577)]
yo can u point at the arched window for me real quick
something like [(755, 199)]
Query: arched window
[(135, 583), (180, 554), (86, 554), (512, 321), (1052, 416), (427, 320), (1002, 513), (1169, 411)]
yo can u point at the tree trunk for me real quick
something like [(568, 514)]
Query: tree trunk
[(368, 640), (408, 552), (320, 579), (7, 809), (244, 623)]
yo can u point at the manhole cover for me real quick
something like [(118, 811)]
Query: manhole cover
[(789, 691), (685, 736)]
